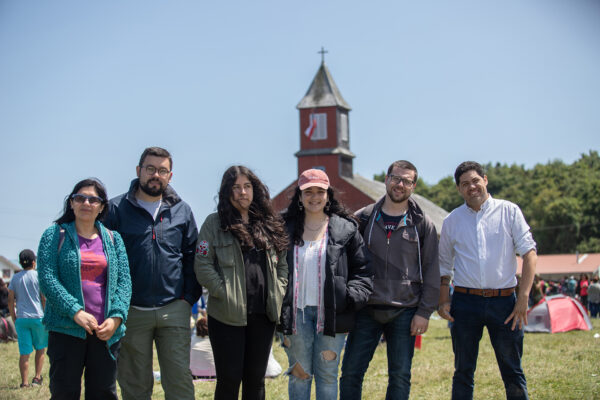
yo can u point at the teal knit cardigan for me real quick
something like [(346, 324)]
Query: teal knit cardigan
[(59, 275)]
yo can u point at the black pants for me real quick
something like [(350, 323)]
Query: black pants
[(241, 355), (69, 356)]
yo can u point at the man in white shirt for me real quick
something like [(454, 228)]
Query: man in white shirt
[(478, 247)]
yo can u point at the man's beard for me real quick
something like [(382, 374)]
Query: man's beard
[(400, 199), (152, 191)]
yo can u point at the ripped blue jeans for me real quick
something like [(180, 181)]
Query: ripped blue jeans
[(318, 356)]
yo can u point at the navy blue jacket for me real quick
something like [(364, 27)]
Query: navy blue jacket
[(161, 252)]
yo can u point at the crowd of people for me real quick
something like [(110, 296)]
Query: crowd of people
[(115, 277), (583, 289)]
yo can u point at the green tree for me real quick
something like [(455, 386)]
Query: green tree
[(379, 177), (561, 202)]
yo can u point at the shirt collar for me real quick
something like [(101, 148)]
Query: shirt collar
[(487, 203), (484, 206)]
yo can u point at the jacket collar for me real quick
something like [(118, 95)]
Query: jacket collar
[(69, 227), (337, 229), (169, 198), (415, 213)]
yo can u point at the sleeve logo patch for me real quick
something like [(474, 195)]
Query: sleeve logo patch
[(202, 248)]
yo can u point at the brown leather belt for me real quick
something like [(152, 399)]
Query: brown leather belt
[(485, 292)]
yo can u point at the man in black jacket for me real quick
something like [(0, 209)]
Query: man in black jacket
[(160, 235), (403, 247)]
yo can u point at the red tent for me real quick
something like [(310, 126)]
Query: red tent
[(557, 313)]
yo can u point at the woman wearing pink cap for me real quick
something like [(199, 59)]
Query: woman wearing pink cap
[(329, 280)]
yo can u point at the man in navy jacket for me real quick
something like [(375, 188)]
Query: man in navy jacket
[(160, 235)]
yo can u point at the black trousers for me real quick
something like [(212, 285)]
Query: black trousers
[(70, 356), (241, 355)]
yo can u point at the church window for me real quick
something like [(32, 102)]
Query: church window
[(320, 132), (344, 127)]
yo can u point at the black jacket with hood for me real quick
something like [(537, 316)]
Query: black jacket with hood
[(161, 252), (348, 278)]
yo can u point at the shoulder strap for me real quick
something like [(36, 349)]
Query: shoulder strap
[(364, 217), (112, 235), (421, 228), (61, 238)]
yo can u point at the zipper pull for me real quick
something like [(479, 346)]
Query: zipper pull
[(153, 234)]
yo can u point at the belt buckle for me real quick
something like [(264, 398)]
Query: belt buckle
[(488, 292)]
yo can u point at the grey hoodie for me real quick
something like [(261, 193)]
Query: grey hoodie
[(406, 266)]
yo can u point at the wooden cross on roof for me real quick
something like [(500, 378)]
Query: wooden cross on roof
[(322, 52)]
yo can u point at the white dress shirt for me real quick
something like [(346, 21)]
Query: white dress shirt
[(481, 246)]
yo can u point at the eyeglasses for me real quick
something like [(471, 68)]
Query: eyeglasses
[(81, 198), (397, 179), (151, 170)]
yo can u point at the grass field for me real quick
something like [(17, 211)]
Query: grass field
[(560, 366)]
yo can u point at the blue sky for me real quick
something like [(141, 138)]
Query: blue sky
[(86, 86)]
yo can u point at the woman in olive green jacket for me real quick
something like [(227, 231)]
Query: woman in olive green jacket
[(241, 260)]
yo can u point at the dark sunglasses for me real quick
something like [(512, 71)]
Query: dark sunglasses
[(81, 198)]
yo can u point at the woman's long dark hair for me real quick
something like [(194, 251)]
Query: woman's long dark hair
[(296, 214), (265, 228), (68, 214)]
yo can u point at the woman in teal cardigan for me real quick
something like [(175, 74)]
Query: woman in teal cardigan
[(84, 274)]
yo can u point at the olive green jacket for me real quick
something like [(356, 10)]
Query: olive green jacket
[(219, 267)]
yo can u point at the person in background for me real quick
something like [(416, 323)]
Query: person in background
[(543, 285), (537, 292), (24, 293), (241, 260), (84, 274), (7, 327), (563, 285), (159, 232), (199, 307), (328, 281), (3, 299), (202, 363), (571, 286), (583, 285), (594, 297)]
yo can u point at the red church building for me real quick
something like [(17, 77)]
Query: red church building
[(325, 144)]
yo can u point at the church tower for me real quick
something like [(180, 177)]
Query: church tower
[(324, 127), (325, 144)]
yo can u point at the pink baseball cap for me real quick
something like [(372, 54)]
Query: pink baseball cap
[(313, 177)]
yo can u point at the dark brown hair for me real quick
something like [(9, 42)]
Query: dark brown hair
[(156, 152), (68, 214), (296, 214), (265, 227), (465, 167), (404, 165), (202, 327)]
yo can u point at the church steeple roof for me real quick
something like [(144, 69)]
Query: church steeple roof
[(323, 92)]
